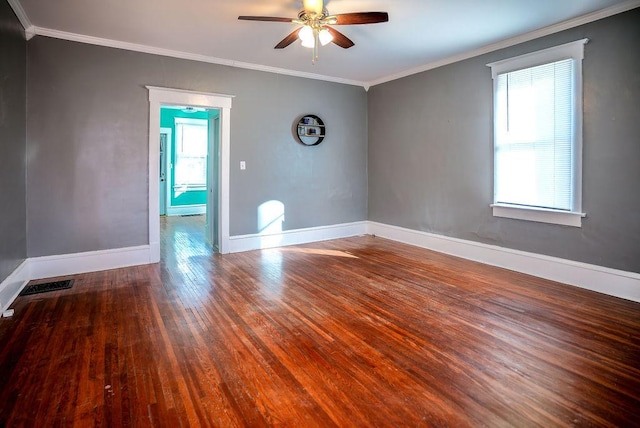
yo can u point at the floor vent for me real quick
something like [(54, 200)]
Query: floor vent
[(46, 286)]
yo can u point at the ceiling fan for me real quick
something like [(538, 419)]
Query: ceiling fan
[(316, 25)]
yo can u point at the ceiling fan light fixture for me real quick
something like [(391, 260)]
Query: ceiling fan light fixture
[(315, 26), (325, 36), (308, 38), (313, 6)]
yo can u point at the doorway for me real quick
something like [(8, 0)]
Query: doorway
[(189, 162), (218, 200)]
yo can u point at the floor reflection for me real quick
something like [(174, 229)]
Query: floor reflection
[(185, 255), (318, 251)]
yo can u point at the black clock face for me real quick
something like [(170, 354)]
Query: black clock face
[(310, 130)]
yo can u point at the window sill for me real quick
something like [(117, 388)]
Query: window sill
[(190, 188), (542, 215)]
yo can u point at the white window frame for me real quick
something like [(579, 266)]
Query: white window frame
[(193, 122), (574, 50)]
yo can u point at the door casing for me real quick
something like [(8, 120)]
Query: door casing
[(164, 168), (213, 162), (159, 96)]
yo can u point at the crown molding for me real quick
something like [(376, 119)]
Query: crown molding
[(23, 18), (74, 37), (555, 28), (31, 30)]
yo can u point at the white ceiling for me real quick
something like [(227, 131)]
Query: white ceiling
[(419, 34)]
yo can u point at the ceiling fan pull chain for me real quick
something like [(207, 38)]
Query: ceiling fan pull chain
[(316, 41)]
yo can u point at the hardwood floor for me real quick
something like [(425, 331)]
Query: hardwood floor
[(351, 332)]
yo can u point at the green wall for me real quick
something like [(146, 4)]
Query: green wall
[(167, 120)]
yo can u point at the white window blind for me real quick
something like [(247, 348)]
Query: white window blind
[(538, 135), (534, 136)]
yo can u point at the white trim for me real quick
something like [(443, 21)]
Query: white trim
[(168, 165), (186, 210), (69, 264), (30, 33), (32, 30), (29, 29), (542, 32), (191, 121), (609, 281), (74, 37), (157, 97), (172, 210), (565, 218), (194, 98), (91, 261), (213, 188), (13, 285), (573, 50), (242, 243), (613, 282), (190, 187), (224, 175)]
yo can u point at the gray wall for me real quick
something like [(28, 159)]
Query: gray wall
[(13, 92), (88, 137), (430, 151)]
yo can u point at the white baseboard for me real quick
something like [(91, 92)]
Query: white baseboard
[(92, 261), (241, 243), (186, 210), (13, 285), (613, 282), (154, 252)]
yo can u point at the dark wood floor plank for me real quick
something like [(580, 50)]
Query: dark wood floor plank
[(353, 332)]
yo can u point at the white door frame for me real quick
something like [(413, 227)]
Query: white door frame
[(167, 162), (213, 164), (157, 97)]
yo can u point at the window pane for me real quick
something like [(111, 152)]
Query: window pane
[(191, 154), (194, 140), (534, 136)]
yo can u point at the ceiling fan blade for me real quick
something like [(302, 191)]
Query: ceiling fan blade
[(264, 18), (361, 18), (340, 39), (288, 40)]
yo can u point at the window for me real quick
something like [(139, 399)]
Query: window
[(538, 135), (191, 155)]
